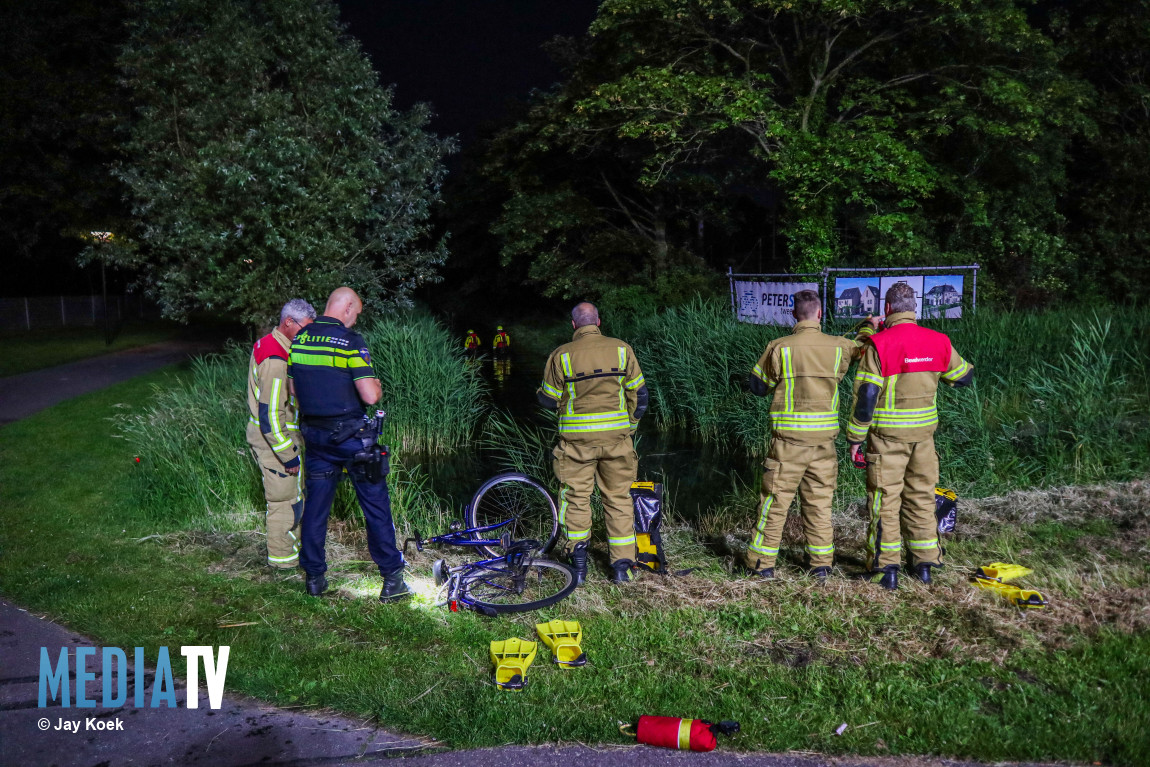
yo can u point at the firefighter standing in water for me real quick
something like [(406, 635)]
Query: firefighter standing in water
[(804, 370), (894, 411), (598, 389), (273, 432), (471, 343), (501, 343)]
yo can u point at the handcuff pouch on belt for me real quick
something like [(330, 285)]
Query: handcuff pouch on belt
[(371, 458)]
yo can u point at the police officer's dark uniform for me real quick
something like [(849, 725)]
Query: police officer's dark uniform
[(327, 359)]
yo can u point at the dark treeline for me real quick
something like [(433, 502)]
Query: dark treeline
[(685, 137), (689, 136)]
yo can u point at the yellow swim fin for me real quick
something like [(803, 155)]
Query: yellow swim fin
[(511, 658), (563, 638), (1001, 572)]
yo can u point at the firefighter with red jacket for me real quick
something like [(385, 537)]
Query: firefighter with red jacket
[(894, 412), (273, 432)]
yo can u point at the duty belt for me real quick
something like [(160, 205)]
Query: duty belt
[(332, 422)]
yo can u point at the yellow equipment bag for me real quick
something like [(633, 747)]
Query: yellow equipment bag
[(647, 499)]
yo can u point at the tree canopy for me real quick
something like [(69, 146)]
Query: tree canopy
[(880, 132), (264, 160)]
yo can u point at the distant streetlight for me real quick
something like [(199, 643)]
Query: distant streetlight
[(104, 237)]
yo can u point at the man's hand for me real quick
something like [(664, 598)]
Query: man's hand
[(858, 457), (294, 470), (875, 321)]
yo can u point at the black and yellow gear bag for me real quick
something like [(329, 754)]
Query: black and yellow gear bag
[(647, 500), (945, 509)]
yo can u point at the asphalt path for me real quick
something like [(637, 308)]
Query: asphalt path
[(242, 732), (28, 393)]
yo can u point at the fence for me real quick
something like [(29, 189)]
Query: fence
[(37, 312), (941, 292)]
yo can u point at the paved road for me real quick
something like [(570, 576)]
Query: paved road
[(28, 393), (243, 732)]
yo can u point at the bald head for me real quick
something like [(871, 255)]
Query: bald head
[(584, 314), (344, 305)]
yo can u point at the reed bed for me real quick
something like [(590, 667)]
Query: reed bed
[(196, 468), (1060, 397)]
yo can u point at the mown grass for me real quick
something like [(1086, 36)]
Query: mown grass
[(950, 671), (195, 463), (25, 351), (1060, 397)]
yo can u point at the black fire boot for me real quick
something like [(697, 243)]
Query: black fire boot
[(921, 571), (820, 573), (766, 573), (578, 561), (886, 577), (316, 584), (621, 571), (394, 587)]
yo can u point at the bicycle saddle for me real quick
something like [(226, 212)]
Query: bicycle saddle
[(526, 546)]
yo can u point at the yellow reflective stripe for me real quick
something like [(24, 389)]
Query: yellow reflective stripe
[(291, 558), (958, 372), (685, 734), (789, 378), (326, 349), (856, 430), (890, 382), (760, 528), (568, 374), (866, 377), (583, 428), (635, 383), (551, 391), (895, 546), (577, 535), (929, 543), (590, 417), (758, 372), (563, 506), (623, 359), (872, 533), (838, 362), (283, 441), (821, 549), (621, 541)]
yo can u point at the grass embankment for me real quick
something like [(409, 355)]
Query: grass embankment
[(948, 671), (25, 351)]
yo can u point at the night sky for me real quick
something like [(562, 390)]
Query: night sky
[(468, 58)]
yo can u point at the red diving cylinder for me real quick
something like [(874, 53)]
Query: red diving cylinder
[(672, 732)]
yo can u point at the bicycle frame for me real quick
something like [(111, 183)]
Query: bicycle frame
[(514, 562)]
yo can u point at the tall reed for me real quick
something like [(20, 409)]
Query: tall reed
[(1059, 396), (196, 467)]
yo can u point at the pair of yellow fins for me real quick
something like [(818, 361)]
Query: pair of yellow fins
[(995, 576), (513, 656)]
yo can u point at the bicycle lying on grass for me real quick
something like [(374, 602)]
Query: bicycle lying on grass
[(516, 576)]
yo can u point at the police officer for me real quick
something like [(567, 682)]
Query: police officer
[(273, 432), (596, 386), (804, 370), (894, 400), (332, 378)]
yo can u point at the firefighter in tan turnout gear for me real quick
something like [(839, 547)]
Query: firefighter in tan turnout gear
[(273, 432), (894, 411), (596, 386), (804, 370)]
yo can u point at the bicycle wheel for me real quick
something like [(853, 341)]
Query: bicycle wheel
[(522, 500), (516, 590)]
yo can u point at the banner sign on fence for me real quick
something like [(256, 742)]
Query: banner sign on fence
[(942, 296), (768, 303)]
